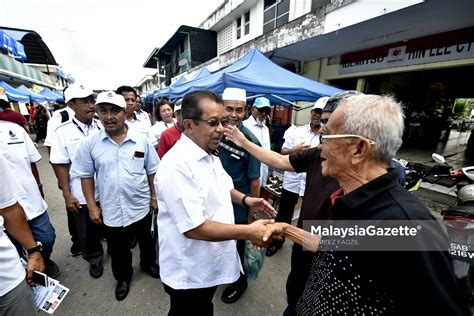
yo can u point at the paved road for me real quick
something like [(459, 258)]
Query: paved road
[(88, 296)]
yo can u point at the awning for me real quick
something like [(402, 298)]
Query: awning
[(11, 45), (50, 94), (9, 67), (13, 94), (33, 96)]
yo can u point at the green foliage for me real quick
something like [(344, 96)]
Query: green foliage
[(462, 108)]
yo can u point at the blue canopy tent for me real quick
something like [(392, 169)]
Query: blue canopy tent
[(201, 73), (13, 94), (11, 45), (52, 95), (165, 92), (33, 96), (258, 75)]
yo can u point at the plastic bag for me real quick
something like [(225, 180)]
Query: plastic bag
[(253, 260)]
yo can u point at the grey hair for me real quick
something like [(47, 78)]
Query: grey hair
[(379, 118)]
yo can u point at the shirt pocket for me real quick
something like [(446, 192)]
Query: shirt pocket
[(137, 165)]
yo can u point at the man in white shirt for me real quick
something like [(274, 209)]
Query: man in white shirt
[(21, 156), (15, 295), (196, 220), (256, 124), (134, 121), (123, 163), (142, 115), (59, 117), (296, 139), (64, 144)]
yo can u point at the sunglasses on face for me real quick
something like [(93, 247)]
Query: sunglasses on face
[(265, 110)]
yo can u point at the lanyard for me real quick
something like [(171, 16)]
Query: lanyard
[(79, 128)]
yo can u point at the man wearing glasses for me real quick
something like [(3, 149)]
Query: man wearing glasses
[(317, 202), (244, 169), (196, 217)]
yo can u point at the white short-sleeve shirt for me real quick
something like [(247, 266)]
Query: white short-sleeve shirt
[(192, 186), (20, 152), (56, 120), (292, 181), (12, 272), (262, 133), (64, 145)]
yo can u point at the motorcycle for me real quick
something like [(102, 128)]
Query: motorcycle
[(459, 222)]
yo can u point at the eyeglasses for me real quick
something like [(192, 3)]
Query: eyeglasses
[(335, 136), (214, 122), (265, 110)]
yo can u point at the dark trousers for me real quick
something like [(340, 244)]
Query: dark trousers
[(288, 202), (89, 235), (72, 227), (117, 242), (191, 302)]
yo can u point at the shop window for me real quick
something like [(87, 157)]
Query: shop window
[(276, 13), (239, 27), (247, 23)]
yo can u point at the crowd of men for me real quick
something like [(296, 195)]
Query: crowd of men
[(200, 184)]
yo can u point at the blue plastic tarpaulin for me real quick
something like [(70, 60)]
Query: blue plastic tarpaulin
[(13, 46), (50, 94), (33, 96), (13, 94), (165, 92), (258, 75)]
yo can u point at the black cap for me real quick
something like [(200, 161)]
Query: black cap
[(336, 99)]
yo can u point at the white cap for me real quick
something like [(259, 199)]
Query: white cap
[(235, 94), (177, 105), (111, 97), (320, 103), (77, 91)]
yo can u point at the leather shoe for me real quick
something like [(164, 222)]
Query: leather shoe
[(121, 291), (153, 270), (96, 270), (232, 293), (272, 249)]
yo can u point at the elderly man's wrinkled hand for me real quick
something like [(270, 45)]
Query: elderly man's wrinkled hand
[(260, 232), (233, 134)]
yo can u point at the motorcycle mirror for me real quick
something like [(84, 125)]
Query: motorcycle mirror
[(438, 158)]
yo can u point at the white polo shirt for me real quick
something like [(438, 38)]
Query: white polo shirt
[(12, 272), (55, 121), (138, 126), (20, 152), (262, 133), (143, 117), (64, 145), (192, 186), (292, 181)]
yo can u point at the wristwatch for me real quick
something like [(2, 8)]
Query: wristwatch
[(37, 248)]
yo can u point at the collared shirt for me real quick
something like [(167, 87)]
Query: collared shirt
[(242, 167), (12, 272), (144, 117), (64, 145), (192, 187), (262, 133), (20, 152), (138, 125), (121, 173), (157, 129), (375, 282), (57, 119), (292, 181)]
